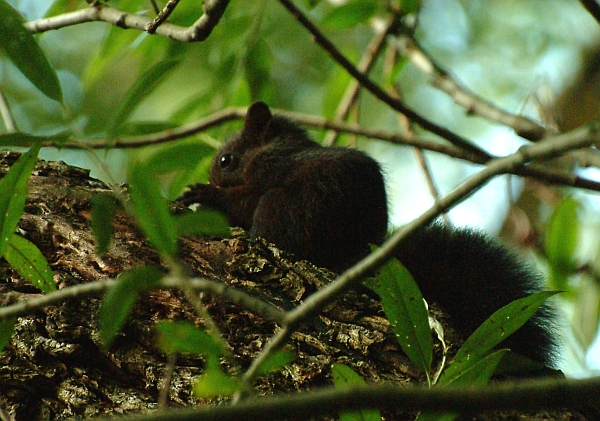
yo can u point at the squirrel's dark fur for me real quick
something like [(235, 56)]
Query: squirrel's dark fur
[(326, 205)]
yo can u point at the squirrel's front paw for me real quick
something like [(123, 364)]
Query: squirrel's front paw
[(203, 194)]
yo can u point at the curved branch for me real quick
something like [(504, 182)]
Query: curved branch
[(545, 174), (199, 31), (379, 93), (365, 65), (524, 127), (235, 296)]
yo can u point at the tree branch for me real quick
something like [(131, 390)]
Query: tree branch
[(524, 395), (235, 296), (379, 93), (545, 174), (199, 31), (524, 127), (365, 65)]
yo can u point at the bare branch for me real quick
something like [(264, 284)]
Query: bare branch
[(199, 31), (545, 174), (235, 296), (524, 127), (379, 93), (365, 65)]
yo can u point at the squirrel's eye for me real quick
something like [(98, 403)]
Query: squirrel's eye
[(226, 160)]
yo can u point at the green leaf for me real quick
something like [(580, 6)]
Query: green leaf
[(411, 6), (562, 237), (7, 330), (276, 361), (344, 377), (103, 211), (493, 331), (119, 300), (25, 139), (185, 337), (257, 67), (478, 374), (178, 155), (350, 14), (13, 192), (29, 262), (151, 211), (404, 307), (216, 383), (204, 222), (21, 48), (310, 4), (143, 87)]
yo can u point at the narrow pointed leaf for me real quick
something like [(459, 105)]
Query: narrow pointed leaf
[(276, 361), (151, 210), (13, 192), (477, 374), (404, 307), (29, 262), (185, 337), (119, 300), (203, 221), (493, 331), (562, 237), (143, 87), (216, 383), (178, 156), (22, 49), (350, 14), (345, 377)]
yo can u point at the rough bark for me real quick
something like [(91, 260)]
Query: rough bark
[(54, 367)]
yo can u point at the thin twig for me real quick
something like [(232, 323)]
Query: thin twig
[(163, 394), (549, 148), (235, 296), (548, 175), (365, 65), (199, 31), (162, 16), (473, 104), (155, 6)]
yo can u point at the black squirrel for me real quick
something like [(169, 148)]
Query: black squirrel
[(327, 204)]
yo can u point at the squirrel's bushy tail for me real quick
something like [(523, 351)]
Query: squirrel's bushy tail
[(471, 275)]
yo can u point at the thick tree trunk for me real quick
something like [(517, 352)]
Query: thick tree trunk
[(54, 366)]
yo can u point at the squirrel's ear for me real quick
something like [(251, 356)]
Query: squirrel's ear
[(258, 118)]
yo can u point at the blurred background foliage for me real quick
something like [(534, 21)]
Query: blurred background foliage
[(537, 58)]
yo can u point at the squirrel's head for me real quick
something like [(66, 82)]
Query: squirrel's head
[(261, 129)]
